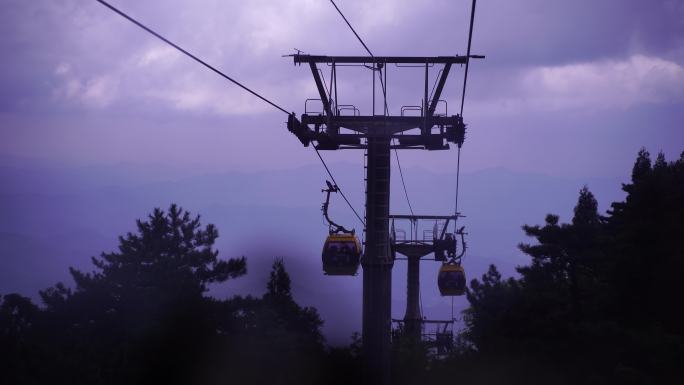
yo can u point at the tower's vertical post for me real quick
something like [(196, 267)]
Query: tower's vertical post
[(412, 318), (377, 264)]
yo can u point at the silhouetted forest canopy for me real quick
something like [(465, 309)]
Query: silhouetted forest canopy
[(598, 303)]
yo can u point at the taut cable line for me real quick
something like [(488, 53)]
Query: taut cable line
[(458, 173), (465, 81), (382, 83), (165, 40), (352, 28), (470, 39), (338, 187), (401, 173), (384, 92), (223, 75)]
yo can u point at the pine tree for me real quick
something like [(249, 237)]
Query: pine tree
[(144, 305), (277, 334), (488, 320), (646, 231), (170, 259), (278, 285)]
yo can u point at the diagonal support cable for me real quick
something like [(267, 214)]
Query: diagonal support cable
[(382, 83), (470, 39), (338, 186), (465, 80), (384, 91), (162, 38), (352, 28), (401, 173), (223, 75)]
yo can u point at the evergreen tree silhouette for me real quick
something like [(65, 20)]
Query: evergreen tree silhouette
[(18, 318), (646, 231), (277, 334), (278, 285), (596, 302), (144, 304)]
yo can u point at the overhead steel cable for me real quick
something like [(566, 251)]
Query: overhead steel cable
[(401, 173), (162, 38), (465, 81), (165, 40), (384, 91), (338, 187), (470, 39), (396, 153), (458, 174), (352, 28)]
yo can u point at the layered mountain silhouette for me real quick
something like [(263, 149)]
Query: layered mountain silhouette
[(55, 217)]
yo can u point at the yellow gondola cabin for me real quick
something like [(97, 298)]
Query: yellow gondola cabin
[(451, 279), (341, 254)]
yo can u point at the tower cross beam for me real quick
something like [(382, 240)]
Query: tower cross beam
[(304, 58)]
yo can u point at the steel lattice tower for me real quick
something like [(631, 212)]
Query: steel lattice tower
[(378, 134)]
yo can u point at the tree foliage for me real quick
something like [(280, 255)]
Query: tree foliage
[(170, 257), (597, 304), (144, 316), (597, 301)]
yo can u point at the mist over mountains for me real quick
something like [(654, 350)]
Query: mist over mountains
[(53, 217)]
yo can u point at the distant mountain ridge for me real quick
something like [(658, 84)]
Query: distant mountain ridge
[(55, 217)]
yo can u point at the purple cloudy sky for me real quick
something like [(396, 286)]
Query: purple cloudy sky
[(569, 88)]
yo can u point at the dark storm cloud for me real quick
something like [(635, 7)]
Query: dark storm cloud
[(74, 62), (247, 38), (538, 32)]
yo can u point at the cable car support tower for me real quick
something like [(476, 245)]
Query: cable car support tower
[(378, 134)]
